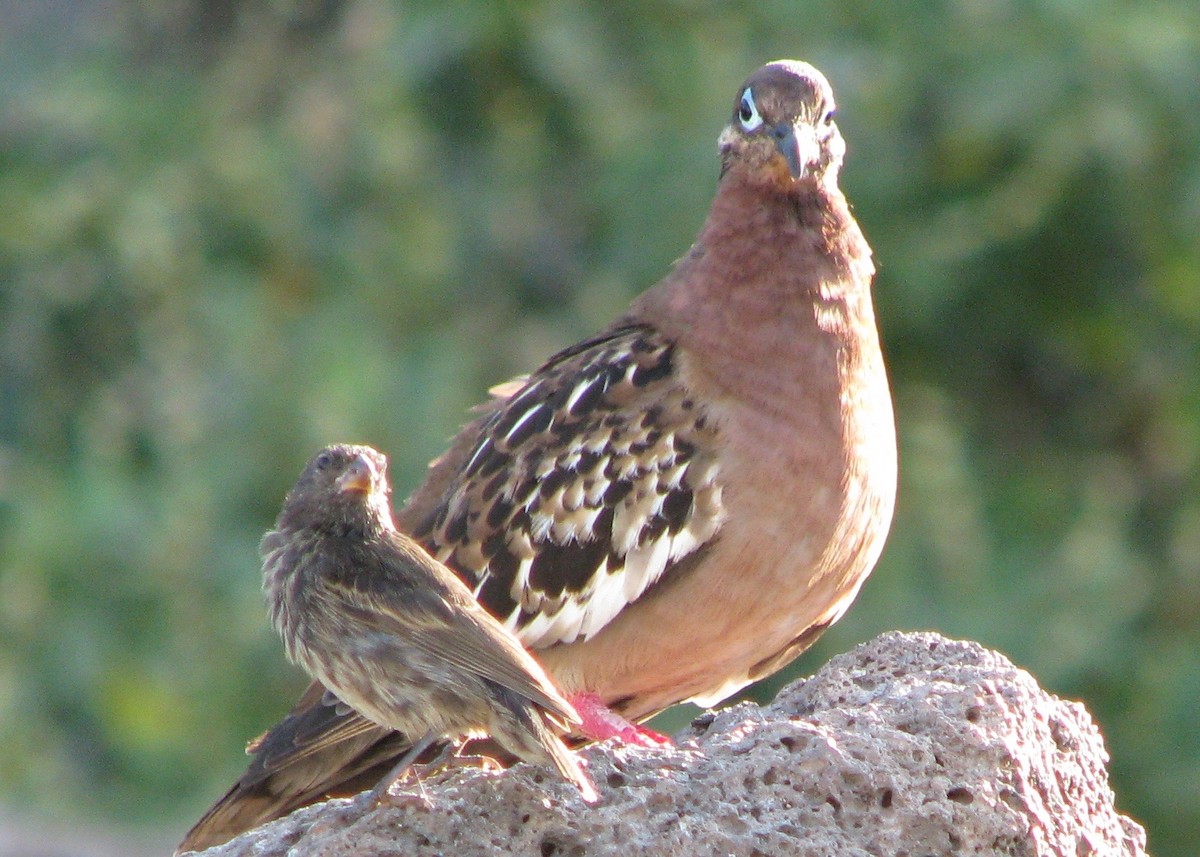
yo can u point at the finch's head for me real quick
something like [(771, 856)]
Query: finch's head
[(343, 485)]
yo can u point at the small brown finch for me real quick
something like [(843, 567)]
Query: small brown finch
[(392, 632)]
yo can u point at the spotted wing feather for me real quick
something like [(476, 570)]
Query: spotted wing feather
[(582, 488)]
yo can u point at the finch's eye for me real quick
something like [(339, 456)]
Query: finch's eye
[(748, 112), (324, 460)]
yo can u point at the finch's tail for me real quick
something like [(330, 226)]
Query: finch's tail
[(567, 762), (532, 734)]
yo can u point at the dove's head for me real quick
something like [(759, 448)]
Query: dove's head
[(782, 130)]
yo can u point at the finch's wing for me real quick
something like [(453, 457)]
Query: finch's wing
[(405, 592)]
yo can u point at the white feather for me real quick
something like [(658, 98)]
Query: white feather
[(525, 417), (578, 392)]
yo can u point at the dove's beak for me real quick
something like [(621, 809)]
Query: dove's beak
[(797, 142)]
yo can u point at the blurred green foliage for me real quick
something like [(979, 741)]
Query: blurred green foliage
[(231, 232)]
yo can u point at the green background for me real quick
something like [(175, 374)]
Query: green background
[(231, 232)]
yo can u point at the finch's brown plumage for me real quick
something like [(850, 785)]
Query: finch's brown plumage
[(681, 504), (390, 631)]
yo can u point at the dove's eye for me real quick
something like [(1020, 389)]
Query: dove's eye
[(747, 112), (827, 119)]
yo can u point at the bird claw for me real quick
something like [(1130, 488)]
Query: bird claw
[(382, 794), (448, 758), (405, 799), (601, 723), (483, 763), (643, 736)]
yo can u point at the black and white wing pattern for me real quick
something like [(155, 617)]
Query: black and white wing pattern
[(581, 489)]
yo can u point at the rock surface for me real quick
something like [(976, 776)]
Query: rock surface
[(911, 744)]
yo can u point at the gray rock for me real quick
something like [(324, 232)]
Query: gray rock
[(911, 744)]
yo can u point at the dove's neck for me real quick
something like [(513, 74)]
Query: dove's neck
[(768, 271)]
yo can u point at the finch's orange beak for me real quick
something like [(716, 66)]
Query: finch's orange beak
[(359, 477)]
